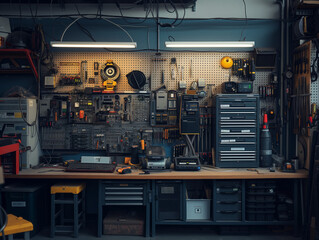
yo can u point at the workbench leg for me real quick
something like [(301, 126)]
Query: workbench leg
[(153, 209), (148, 211), (99, 211), (296, 208), (52, 215), (83, 208), (62, 211), (76, 215), (27, 236), (10, 237)]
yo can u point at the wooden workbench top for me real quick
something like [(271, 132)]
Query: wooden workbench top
[(204, 173)]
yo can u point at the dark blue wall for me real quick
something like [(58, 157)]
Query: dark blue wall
[(266, 33)]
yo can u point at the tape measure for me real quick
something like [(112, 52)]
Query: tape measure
[(110, 71), (226, 62)]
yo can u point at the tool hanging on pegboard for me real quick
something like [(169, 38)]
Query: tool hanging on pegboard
[(315, 63), (110, 73), (300, 104), (244, 69)]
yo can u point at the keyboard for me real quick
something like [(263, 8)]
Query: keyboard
[(90, 167)]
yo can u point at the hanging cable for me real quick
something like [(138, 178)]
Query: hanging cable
[(107, 20), (69, 27), (242, 31)]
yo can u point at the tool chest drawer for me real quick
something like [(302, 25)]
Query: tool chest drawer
[(237, 149), (233, 131), (233, 116), (228, 183), (237, 102), (227, 191), (228, 215), (124, 193), (224, 205), (238, 140), (237, 154)]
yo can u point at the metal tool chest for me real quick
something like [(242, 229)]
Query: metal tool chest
[(124, 193), (237, 130)]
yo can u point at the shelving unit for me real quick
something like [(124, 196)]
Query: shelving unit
[(12, 55)]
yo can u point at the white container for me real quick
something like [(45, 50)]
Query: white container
[(198, 209)]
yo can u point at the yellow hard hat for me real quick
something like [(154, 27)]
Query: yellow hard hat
[(226, 62)]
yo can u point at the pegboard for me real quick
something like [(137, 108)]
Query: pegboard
[(314, 87), (190, 66)]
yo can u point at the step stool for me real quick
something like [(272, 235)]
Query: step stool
[(61, 194), (17, 225)]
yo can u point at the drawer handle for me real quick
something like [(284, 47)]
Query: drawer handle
[(229, 186), (239, 117), (234, 192), (228, 212), (228, 202)]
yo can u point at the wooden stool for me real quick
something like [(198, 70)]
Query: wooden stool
[(65, 190), (17, 225)]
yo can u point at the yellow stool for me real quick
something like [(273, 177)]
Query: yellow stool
[(17, 225), (64, 190)]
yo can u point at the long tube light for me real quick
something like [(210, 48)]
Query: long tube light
[(221, 44), (93, 44)]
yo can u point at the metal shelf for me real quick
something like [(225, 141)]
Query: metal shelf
[(12, 55)]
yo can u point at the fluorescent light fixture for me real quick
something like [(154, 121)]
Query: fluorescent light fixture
[(93, 44), (221, 44)]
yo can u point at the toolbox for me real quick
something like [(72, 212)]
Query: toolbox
[(124, 221), (237, 130)]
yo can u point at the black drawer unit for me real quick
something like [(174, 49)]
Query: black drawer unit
[(124, 193), (237, 130), (260, 200), (227, 200)]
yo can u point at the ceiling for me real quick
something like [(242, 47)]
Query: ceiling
[(139, 2)]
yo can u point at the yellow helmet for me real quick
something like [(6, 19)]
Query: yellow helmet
[(226, 62)]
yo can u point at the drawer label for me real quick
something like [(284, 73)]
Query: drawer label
[(225, 118), (245, 131), (224, 131), (237, 149), (167, 190), (18, 204), (227, 140), (224, 105)]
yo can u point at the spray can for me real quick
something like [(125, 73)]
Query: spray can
[(265, 145)]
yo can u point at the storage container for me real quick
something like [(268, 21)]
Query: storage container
[(198, 209)]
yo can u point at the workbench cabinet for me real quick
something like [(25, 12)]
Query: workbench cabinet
[(124, 194), (235, 202)]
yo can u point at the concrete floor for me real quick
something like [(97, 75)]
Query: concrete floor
[(185, 233)]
